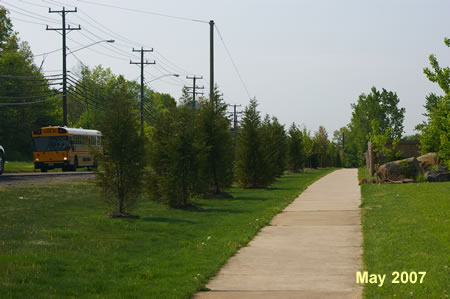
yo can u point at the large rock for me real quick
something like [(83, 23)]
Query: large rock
[(399, 170), (428, 160), (440, 175)]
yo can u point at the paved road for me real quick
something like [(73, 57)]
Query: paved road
[(9, 179), (311, 250)]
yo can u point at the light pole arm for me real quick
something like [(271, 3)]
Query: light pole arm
[(166, 75), (100, 41)]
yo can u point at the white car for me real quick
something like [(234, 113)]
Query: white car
[(2, 159)]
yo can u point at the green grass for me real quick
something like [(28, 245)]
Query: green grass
[(56, 241), (14, 166), (406, 228), (363, 173)]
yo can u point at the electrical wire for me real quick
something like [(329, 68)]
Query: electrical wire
[(83, 88), (30, 103), (34, 4), (43, 54), (36, 16), (232, 62), (87, 88), (26, 21), (124, 39), (143, 11), (28, 77), (98, 52), (28, 97)]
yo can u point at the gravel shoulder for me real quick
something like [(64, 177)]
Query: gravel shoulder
[(11, 179)]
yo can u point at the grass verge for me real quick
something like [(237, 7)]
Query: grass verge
[(14, 166), (406, 229), (56, 240)]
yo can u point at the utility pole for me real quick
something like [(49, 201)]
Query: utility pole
[(343, 141), (194, 87), (235, 116), (63, 13), (142, 63), (211, 59)]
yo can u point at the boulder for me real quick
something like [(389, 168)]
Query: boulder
[(440, 175), (399, 170), (428, 160)]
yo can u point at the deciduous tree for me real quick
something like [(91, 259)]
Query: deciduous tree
[(124, 158)]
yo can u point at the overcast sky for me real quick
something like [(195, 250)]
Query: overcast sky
[(305, 61)]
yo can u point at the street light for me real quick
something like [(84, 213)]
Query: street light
[(166, 75), (100, 41)]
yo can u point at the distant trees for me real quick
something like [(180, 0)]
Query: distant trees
[(296, 149), (124, 159), (22, 82), (435, 132), (320, 142), (376, 117)]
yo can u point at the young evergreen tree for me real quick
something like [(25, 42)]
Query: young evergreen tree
[(176, 158), (274, 147), (280, 140), (216, 138), (250, 161), (123, 162), (296, 149)]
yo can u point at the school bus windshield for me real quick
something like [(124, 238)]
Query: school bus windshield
[(52, 143)]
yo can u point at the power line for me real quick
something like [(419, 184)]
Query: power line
[(43, 54), (28, 97), (29, 78), (30, 13), (30, 103), (26, 21), (34, 4), (87, 88), (126, 40), (142, 11), (98, 52), (232, 62)]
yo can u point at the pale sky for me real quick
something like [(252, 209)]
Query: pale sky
[(305, 61)]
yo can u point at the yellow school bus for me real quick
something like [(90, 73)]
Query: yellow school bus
[(65, 148)]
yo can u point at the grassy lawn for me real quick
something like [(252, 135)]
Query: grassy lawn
[(406, 228), (55, 240)]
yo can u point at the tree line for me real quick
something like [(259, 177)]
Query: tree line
[(377, 117)]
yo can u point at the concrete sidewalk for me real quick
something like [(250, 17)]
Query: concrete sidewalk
[(311, 250)]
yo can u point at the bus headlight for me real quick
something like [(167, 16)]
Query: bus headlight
[(36, 160), (65, 158)]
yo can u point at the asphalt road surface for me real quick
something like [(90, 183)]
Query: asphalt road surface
[(9, 179)]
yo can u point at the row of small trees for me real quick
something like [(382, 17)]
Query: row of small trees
[(194, 152)]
